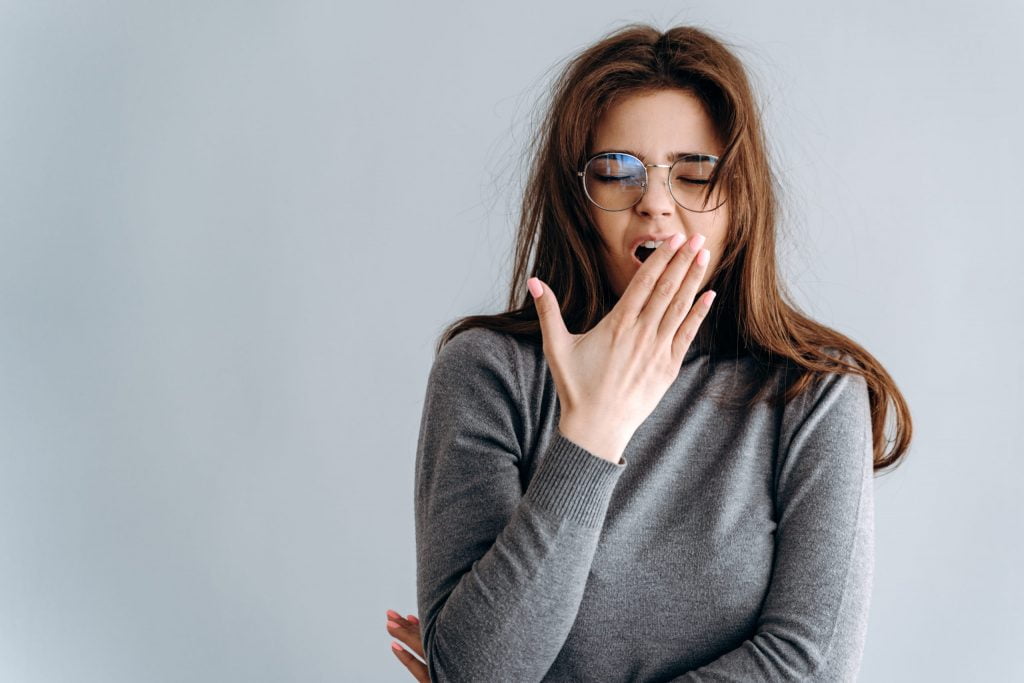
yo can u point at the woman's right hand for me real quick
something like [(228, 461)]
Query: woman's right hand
[(611, 378)]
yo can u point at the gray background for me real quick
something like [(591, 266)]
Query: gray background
[(219, 294)]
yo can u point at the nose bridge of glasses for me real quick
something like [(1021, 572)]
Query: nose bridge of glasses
[(667, 173)]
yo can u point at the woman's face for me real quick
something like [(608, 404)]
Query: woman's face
[(653, 126)]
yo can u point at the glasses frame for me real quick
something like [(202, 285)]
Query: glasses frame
[(583, 180)]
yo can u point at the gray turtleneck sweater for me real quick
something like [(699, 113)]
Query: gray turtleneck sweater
[(728, 544)]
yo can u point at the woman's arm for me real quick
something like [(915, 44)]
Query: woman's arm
[(814, 619), (500, 572)]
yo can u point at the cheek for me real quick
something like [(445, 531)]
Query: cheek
[(715, 243), (716, 246), (717, 233), (605, 224), (612, 235)]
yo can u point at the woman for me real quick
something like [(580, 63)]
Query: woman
[(617, 479)]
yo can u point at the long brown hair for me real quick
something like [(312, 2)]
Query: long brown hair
[(753, 314)]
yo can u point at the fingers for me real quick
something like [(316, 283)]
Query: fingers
[(549, 313), (406, 630), (680, 283), (688, 330), (683, 269), (417, 668), (639, 289)]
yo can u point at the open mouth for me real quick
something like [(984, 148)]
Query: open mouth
[(642, 253), (645, 249)]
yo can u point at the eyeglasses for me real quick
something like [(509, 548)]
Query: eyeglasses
[(616, 181)]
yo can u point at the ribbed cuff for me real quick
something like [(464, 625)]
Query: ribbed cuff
[(573, 483)]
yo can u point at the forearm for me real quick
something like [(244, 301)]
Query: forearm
[(521, 595)]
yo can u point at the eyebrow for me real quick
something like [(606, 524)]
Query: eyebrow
[(671, 156)]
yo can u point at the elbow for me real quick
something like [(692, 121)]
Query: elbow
[(444, 664), (792, 658), (806, 659), (467, 661)]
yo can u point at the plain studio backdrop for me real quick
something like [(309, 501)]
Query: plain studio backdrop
[(230, 233)]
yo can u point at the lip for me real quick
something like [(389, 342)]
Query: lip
[(646, 238)]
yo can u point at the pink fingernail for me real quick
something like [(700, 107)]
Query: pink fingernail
[(395, 646), (703, 256), (392, 624), (676, 240)]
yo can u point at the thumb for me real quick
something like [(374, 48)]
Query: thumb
[(549, 313)]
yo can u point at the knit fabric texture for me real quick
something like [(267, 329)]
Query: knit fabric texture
[(728, 544)]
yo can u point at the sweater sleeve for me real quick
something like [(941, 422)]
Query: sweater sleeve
[(813, 623), (500, 571)]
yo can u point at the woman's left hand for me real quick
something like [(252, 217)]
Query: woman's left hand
[(408, 631)]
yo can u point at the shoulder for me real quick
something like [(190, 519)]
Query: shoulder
[(836, 401), (841, 385), (475, 355), (477, 345), (840, 391)]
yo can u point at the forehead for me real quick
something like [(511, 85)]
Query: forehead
[(656, 125)]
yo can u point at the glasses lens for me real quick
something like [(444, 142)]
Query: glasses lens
[(689, 183), (614, 181)]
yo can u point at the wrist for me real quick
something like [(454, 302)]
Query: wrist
[(595, 436)]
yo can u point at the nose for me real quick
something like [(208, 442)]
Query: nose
[(657, 200)]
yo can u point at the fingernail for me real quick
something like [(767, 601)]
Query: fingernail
[(696, 241), (535, 287), (413, 619), (395, 646), (703, 256), (393, 613), (676, 240), (392, 624)]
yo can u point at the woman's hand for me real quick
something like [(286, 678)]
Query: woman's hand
[(408, 631), (610, 379)]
